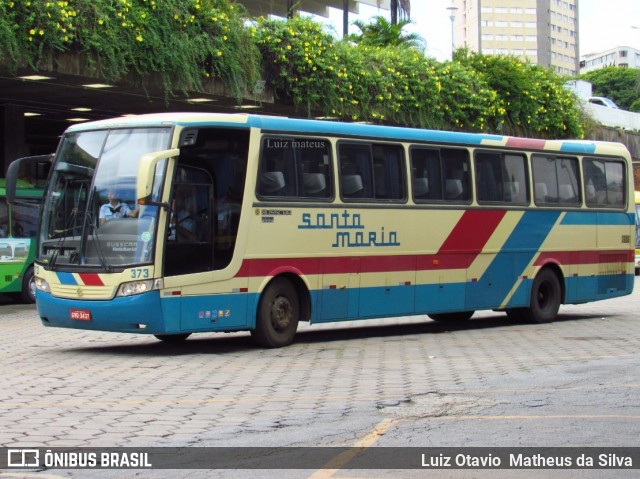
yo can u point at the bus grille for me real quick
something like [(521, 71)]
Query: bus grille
[(82, 292)]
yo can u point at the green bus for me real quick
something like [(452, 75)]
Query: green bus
[(18, 230)]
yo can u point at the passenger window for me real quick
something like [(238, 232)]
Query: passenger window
[(440, 174), (501, 178), (295, 168), (604, 182), (372, 172), (556, 181)]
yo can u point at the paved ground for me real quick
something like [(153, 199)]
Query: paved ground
[(332, 387)]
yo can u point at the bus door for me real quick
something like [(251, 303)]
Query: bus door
[(202, 229)]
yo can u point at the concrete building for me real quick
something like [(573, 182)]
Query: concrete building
[(622, 56), (544, 32)]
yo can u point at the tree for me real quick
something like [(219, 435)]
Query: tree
[(382, 33), (617, 83)]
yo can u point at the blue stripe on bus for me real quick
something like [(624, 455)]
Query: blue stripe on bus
[(356, 129), (66, 278), (516, 254), (578, 147), (591, 218)]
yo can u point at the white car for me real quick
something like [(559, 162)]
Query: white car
[(602, 101)]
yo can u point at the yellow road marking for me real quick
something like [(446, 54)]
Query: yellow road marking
[(335, 464)]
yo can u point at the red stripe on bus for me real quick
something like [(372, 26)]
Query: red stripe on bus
[(91, 279), (472, 232), (382, 264), (525, 143), (585, 257)]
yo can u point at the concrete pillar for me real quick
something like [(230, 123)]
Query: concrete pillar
[(12, 135)]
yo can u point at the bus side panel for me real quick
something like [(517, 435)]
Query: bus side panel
[(440, 297), (216, 312), (495, 285)]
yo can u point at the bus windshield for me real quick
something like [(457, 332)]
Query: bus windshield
[(90, 217)]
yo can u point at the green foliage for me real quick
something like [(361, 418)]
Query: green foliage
[(179, 43), (533, 98), (617, 83), (365, 83), (381, 33), (401, 86)]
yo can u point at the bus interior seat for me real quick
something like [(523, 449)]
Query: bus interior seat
[(541, 192), (590, 192), (512, 191), (352, 185), (454, 189), (272, 182), (566, 194), (420, 187), (314, 184)]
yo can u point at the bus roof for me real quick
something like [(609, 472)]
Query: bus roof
[(322, 127)]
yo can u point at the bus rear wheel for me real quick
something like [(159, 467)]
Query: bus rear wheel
[(546, 296), (278, 315), (452, 317)]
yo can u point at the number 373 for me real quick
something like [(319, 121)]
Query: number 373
[(138, 273)]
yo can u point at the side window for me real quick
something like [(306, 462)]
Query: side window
[(24, 219), (604, 182), (440, 174), (556, 181), (371, 172), (295, 168), (501, 178), (426, 174)]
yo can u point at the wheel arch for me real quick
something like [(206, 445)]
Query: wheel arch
[(299, 282), (557, 270)]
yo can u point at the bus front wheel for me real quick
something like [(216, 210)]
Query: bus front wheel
[(278, 315), (546, 296)]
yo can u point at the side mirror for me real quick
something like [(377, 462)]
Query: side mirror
[(146, 173), (14, 169)]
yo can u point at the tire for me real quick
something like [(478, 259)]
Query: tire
[(452, 317), (516, 314), (546, 296), (172, 338), (28, 293), (278, 315)]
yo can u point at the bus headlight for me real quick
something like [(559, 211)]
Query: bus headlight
[(139, 287), (41, 284)]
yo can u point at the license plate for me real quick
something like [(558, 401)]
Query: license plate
[(80, 315)]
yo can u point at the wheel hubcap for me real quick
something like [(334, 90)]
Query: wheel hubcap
[(281, 312)]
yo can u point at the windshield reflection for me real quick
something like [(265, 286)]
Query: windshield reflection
[(90, 215)]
